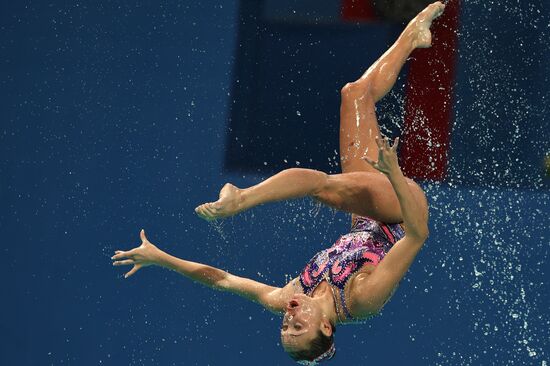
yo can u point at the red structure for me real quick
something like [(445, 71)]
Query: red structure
[(357, 10), (429, 101)]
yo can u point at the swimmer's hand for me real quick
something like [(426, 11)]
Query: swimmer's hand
[(145, 255), (387, 156)]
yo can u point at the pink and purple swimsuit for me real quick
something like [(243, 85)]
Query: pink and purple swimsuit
[(367, 242)]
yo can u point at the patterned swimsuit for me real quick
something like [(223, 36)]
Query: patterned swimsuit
[(368, 242)]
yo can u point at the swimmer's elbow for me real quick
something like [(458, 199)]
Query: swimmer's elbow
[(419, 234), (223, 283)]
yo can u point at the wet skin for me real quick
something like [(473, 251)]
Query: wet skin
[(301, 321)]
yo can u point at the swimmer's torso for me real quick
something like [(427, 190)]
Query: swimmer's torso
[(353, 255)]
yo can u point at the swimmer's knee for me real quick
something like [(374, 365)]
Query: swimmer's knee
[(322, 186), (327, 191), (355, 89)]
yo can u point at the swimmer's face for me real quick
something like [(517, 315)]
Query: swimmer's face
[(301, 323)]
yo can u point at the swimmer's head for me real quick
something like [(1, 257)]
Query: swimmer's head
[(307, 334)]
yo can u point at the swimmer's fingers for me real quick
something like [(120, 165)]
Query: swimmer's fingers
[(143, 237), (126, 259), (124, 262), (373, 163), (379, 142), (369, 160), (119, 254), (395, 144), (132, 271)]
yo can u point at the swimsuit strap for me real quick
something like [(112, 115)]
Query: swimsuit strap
[(338, 315), (347, 313)]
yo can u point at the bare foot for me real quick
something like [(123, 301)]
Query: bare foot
[(227, 205), (420, 25)]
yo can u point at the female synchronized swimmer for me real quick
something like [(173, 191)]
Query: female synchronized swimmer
[(353, 279)]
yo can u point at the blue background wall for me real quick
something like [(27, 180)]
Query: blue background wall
[(114, 117)]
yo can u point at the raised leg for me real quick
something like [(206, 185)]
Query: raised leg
[(358, 124)]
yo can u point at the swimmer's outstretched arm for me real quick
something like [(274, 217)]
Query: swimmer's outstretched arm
[(148, 254)]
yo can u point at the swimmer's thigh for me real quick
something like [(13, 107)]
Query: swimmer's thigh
[(368, 194)]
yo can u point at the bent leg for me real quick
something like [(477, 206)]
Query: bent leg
[(358, 124), (362, 193)]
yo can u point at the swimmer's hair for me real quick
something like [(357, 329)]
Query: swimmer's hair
[(318, 346)]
